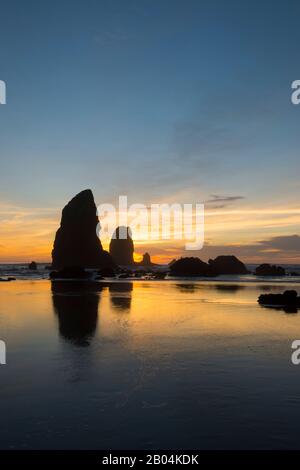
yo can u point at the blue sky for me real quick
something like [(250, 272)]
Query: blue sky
[(159, 100)]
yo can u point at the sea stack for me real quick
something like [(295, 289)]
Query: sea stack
[(190, 267), (146, 261), (32, 266), (76, 242), (121, 247), (269, 270), (227, 265)]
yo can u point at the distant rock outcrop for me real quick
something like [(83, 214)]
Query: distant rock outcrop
[(190, 267), (197, 267), (172, 262), (269, 270), (121, 247), (32, 266), (76, 242), (227, 265), (146, 261)]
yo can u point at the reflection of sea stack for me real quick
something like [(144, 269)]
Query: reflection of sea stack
[(77, 311), (76, 242), (120, 295), (121, 247)]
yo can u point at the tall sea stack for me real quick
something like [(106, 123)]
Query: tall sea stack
[(146, 261), (121, 247), (76, 242)]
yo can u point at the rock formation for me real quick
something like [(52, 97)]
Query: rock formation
[(288, 300), (32, 266), (196, 267), (227, 265), (121, 247), (269, 270), (76, 242), (146, 261), (71, 272), (190, 267), (107, 272)]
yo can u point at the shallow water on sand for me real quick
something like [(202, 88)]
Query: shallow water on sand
[(147, 365)]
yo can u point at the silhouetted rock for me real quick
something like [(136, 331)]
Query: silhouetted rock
[(227, 265), (76, 242), (123, 276), (121, 247), (288, 299), (269, 270), (7, 279), (72, 272), (32, 266), (190, 267), (146, 261), (159, 275), (139, 274), (107, 272)]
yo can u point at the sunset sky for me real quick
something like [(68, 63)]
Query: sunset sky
[(159, 100)]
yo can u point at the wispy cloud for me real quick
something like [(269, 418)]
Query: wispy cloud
[(219, 202), (282, 243)]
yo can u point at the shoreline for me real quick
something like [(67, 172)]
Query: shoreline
[(188, 280)]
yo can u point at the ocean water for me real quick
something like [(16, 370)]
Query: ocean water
[(147, 365)]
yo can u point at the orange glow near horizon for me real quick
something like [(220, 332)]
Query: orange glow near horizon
[(28, 234)]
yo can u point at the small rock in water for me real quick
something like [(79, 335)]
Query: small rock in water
[(32, 266), (288, 299)]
